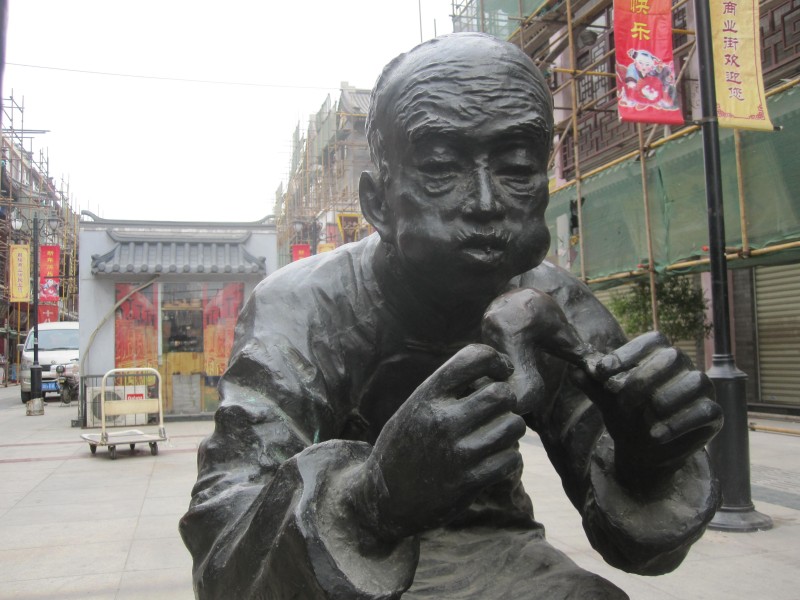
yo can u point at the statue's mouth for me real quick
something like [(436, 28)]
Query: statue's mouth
[(485, 244)]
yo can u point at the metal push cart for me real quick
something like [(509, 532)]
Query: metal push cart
[(134, 404)]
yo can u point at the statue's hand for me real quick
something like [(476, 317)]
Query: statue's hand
[(522, 322), (657, 408), (452, 437)]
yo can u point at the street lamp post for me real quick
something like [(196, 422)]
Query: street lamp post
[(36, 368), (729, 450)]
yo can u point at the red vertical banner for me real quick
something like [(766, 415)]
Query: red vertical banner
[(48, 313), (49, 257), (646, 90), (300, 251)]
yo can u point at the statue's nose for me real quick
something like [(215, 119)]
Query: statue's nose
[(481, 201)]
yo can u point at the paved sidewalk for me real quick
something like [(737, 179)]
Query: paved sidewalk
[(73, 525)]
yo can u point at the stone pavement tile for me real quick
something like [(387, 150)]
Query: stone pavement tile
[(156, 527), (80, 494), (161, 584), (94, 558), (11, 497), (44, 535), (87, 511), (745, 578), (84, 587), (156, 554), (174, 506), (171, 487), (88, 479)]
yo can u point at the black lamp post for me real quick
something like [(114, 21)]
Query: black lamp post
[(36, 368), (730, 449)]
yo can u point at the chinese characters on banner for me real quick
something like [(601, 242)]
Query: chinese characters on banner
[(48, 274), (646, 89), (736, 40), (20, 283)]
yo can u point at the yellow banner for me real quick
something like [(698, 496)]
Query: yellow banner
[(20, 284), (741, 101)]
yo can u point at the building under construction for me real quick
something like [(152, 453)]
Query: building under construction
[(28, 191), (628, 200), (319, 209)]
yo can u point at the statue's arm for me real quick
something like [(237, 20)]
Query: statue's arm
[(267, 517), (628, 445), (645, 527)]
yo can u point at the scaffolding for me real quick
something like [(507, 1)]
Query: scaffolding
[(624, 174), (319, 208), (28, 190)]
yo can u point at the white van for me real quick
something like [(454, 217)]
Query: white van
[(58, 345)]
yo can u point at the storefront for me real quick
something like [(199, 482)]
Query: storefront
[(166, 295)]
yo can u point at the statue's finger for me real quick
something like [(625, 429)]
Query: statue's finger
[(482, 405), (672, 397), (468, 365), (629, 355), (703, 415), (492, 437)]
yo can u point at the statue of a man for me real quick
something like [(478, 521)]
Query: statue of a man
[(366, 446)]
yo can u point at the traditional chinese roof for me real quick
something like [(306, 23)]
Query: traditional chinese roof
[(153, 254), (178, 248)]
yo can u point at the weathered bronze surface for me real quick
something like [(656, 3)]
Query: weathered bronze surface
[(366, 444)]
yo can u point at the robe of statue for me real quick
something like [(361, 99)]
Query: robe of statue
[(322, 359)]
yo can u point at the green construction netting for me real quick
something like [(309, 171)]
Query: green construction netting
[(614, 233)]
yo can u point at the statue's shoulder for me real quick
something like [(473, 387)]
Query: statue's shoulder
[(333, 272)]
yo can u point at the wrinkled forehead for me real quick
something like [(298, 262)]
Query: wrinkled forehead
[(466, 88)]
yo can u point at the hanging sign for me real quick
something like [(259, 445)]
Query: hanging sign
[(49, 257), (20, 284), (48, 313), (736, 42), (646, 91), (300, 251)]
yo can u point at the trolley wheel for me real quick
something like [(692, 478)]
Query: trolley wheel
[(153, 448), (133, 447), (112, 452), (93, 448)]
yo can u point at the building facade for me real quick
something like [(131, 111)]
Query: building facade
[(319, 209), (628, 201), (166, 295), (31, 199)]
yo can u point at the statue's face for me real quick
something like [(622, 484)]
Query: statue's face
[(467, 195)]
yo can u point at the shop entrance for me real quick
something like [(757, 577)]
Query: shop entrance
[(182, 347)]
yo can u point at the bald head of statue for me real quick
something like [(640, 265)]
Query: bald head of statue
[(460, 129)]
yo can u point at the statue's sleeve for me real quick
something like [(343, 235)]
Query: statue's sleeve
[(645, 532), (266, 519)]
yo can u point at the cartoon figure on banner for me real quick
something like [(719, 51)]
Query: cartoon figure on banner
[(649, 82), (48, 290)]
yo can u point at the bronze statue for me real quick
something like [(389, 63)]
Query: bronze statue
[(366, 444)]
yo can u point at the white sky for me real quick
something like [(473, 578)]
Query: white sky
[(143, 148)]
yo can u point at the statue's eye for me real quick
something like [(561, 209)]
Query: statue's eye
[(515, 171), (439, 168)]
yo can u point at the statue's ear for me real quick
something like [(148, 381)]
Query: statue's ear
[(373, 203)]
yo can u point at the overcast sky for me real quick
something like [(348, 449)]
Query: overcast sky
[(135, 142)]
